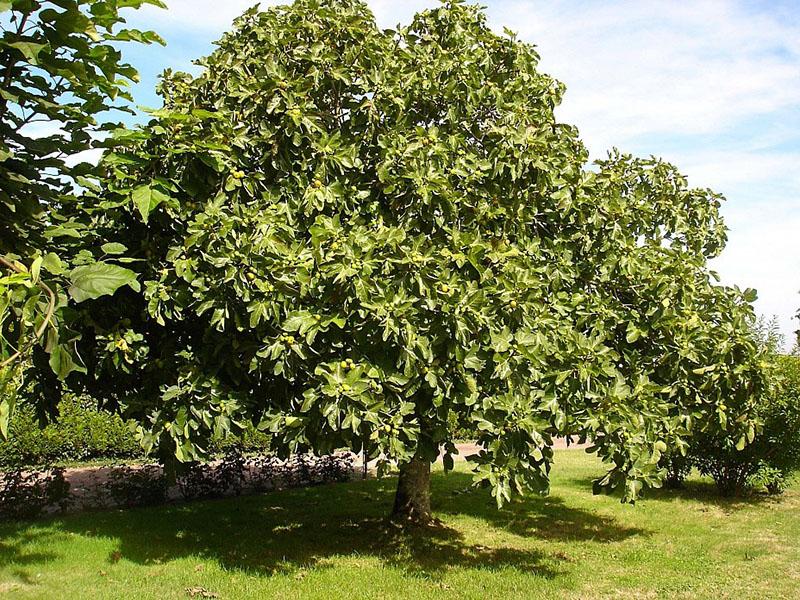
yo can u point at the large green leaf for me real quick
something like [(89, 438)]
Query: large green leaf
[(63, 363), (30, 50), (147, 198), (100, 279), (114, 248)]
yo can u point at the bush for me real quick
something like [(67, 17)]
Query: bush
[(83, 433), (136, 486), (461, 430), (227, 477), (235, 473), (774, 452), (769, 479), (677, 467), (25, 494), (249, 441)]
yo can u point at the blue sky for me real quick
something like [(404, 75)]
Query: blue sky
[(711, 85)]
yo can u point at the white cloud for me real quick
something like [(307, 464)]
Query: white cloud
[(707, 84), (725, 171), (763, 252), (660, 67), (194, 15), (216, 16)]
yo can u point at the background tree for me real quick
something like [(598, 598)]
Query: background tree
[(767, 459), (796, 348), (59, 70), (345, 234)]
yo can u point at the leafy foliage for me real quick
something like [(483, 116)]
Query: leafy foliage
[(82, 433), (60, 70), (345, 235), (774, 453)]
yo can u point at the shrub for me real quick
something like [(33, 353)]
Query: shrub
[(770, 479), (677, 467), (774, 452), (249, 441), (136, 486), (25, 494), (461, 429), (203, 480), (81, 433), (235, 473)]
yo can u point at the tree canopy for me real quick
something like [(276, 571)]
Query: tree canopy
[(344, 234), (61, 73)]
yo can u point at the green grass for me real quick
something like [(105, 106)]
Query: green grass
[(332, 542)]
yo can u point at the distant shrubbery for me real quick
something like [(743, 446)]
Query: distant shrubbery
[(26, 494), (84, 433), (460, 429), (766, 462), (81, 433)]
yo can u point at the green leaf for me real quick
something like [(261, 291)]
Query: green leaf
[(114, 248), (36, 269), (29, 50), (52, 264), (146, 199), (474, 363), (205, 114), (7, 402), (62, 362), (100, 279)]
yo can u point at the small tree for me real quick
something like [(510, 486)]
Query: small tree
[(347, 234), (59, 70), (774, 453)]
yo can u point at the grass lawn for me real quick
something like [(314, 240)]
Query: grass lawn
[(332, 542)]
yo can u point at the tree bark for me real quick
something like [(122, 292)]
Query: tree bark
[(412, 501)]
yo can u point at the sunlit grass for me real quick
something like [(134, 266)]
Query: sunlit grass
[(333, 542)]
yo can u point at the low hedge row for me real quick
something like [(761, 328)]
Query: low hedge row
[(83, 433)]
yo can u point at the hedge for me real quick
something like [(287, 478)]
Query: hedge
[(83, 433)]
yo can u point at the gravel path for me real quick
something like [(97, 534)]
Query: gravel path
[(465, 450)]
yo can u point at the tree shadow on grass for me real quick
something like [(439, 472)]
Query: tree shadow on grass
[(550, 518), (542, 517), (297, 529), (695, 489), (14, 547)]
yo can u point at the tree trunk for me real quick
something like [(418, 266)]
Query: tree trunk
[(412, 502)]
